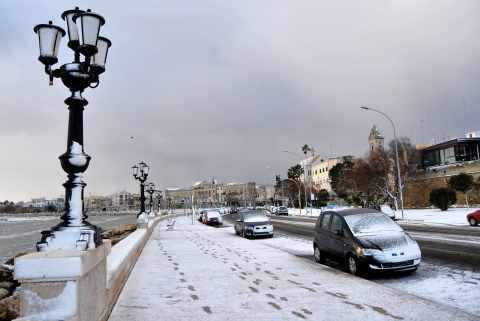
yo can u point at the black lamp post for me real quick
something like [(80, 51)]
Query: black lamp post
[(151, 190), (159, 196), (142, 178), (183, 205), (169, 199), (83, 32)]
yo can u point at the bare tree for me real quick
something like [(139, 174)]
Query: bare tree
[(378, 168), (233, 198)]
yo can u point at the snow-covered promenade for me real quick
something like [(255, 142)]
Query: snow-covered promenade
[(202, 273)]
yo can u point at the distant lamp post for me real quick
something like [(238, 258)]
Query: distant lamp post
[(169, 199), (159, 197), (304, 181), (83, 32), (396, 153), (151, 190), (142, 177), (183, 206)]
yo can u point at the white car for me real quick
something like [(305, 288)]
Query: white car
[(385, 209), (213, 217)]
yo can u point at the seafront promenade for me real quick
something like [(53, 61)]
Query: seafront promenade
[(197, 272)]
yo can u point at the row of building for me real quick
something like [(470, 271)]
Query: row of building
[(205, 193)]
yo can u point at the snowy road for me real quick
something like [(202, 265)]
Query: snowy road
[(445, 284)]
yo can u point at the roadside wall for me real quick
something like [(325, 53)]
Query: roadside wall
[(416, 192)]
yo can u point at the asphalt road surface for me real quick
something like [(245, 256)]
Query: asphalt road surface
[(455, 247)]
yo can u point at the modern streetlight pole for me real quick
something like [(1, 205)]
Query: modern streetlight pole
[(396, 153), (151, 190), (142, 178), (74, 232), (159, 196), (304, 178)]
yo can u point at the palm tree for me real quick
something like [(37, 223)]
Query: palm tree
[(305, 149)]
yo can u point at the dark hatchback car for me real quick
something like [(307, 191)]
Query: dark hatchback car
[(365, 240), (253, 223)]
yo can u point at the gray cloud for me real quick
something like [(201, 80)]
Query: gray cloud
[(219, 89)]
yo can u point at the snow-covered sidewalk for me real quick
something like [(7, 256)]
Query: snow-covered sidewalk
[(199, 272), (453, 216)]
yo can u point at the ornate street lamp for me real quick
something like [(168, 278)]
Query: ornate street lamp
[(83, 31), (159, 196), (142, 177), (169, 199), (151, 190)]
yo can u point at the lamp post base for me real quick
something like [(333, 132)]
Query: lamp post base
[(70, 238), (142, 215)]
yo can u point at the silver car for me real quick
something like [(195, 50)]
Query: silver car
[(253, 223)]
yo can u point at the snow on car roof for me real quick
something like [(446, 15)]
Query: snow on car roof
[(354, 211)]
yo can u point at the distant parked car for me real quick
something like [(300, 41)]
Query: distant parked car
[(333, 206), (365, 240), (253, 223), (201, 214), (385, 209), (282, 210), (233, 210), (473, 218), (212, 218)]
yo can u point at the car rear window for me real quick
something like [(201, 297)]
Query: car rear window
[(325, 220), (213, 214)]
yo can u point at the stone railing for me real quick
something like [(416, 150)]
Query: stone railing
[(79, 285)]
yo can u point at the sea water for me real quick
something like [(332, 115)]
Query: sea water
[(21, 234)]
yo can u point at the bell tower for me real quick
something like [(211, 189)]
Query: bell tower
[(375, 140)]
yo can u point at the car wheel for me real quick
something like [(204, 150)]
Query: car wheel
[(243, 234), (319, 256), (353, 267), (270, 235), (473, 221)]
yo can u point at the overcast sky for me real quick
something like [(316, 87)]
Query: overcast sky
[(219, 88)]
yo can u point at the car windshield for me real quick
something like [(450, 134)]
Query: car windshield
[(213, 214), (254, 217), (373, 223)]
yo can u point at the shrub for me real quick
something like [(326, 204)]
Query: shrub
[(442, 197)]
